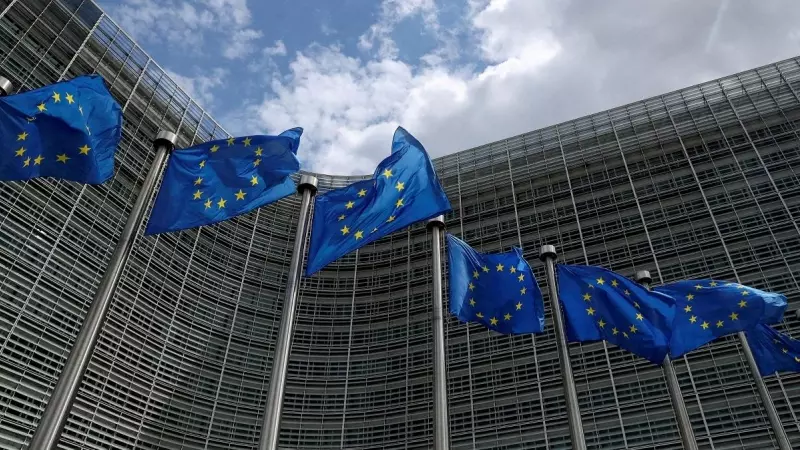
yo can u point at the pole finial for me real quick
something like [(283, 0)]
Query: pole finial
[(6, 86), (165, 138), (643, 277), (436, 222), (307, 182), (547, 251)]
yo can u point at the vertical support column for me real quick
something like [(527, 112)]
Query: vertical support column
[(548, 255), (5, 86), (441, 422), (684, 424), (271, 428), (55, 414)]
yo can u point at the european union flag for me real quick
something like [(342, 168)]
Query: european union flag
[(403, 190), (67, 130), (774, 352), (708, 309), (600, 304), (496, 290), (218, 180)]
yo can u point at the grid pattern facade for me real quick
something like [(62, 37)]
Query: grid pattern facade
[(700, 182)]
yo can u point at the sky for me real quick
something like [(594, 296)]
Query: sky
[(455, 73)]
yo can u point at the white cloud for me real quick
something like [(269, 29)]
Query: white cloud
[(200, 87), (242, 44), (393, 12), (279, 49)]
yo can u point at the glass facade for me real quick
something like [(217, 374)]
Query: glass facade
[(699, 182)]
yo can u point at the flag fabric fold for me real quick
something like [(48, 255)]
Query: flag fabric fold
[(496, 290), (221, 179), (68, 130), (403, 190), (774, 352), (602, 305), (708, 309)]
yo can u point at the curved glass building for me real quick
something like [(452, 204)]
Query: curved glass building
[(702, 182)]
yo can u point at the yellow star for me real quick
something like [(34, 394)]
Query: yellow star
[(485, 269), (693, 319), (590, 311), (600, 281), (513, 269), (742, 304), (374, 230), (202, 164), (614, 283), (84, 150), (713, 284), (27, 162), (493, 321), (198, 194), (62, 158), (472, 302), (30, 119), (720, 324), (207, 203), (587, 297), (349, 205), (704, 325), (240, 195), (507, 316), (20, 152), (734, 316), (633, 329), (475, 274), (390, 219), (345, 230), (253, 180), (256, 162), (88, 130), (785, 351), (626, 335), (698, 287), (42, 107), (56, 97), (247, 142), (221, 203), (601, 323), (614, 331), (522, 291), (80, 108), (627, 292), (499, 267), (259, 151), (359, 235), (479, 315), (70, 99), (38, 160), (690, 297), (521, 277), (198, 181), (387, 173), (639, 316), (214, 148), (519, 306), (687, 309), (636, 304), (399, 203), (471, 286), (22, 136), (362, 192), (400, 186), (341, 217), (231, 141), (745, 293), (796, 359)]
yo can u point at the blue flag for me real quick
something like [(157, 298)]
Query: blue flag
[(403, 190), (218, 180), (600, 304), (707, 309), (774, 352), (67, 130), (496, 290)]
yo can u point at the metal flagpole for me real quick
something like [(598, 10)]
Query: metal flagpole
[(55, 414), (271, 428), (684, 424), (441, 422), (548, 255), (5, 86)]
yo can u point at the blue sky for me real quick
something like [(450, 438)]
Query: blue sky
[(455, 73)]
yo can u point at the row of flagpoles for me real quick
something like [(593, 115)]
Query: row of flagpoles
[(498, 291)]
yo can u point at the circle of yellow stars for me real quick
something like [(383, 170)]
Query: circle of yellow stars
[(516, 273), (732, 317), (240, 195), (350, 206), (632, 329)]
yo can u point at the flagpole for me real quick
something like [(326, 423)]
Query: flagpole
[(6, 86), (441, 424), (684, 424), (548, 255), (58, 408), (271, 428)]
